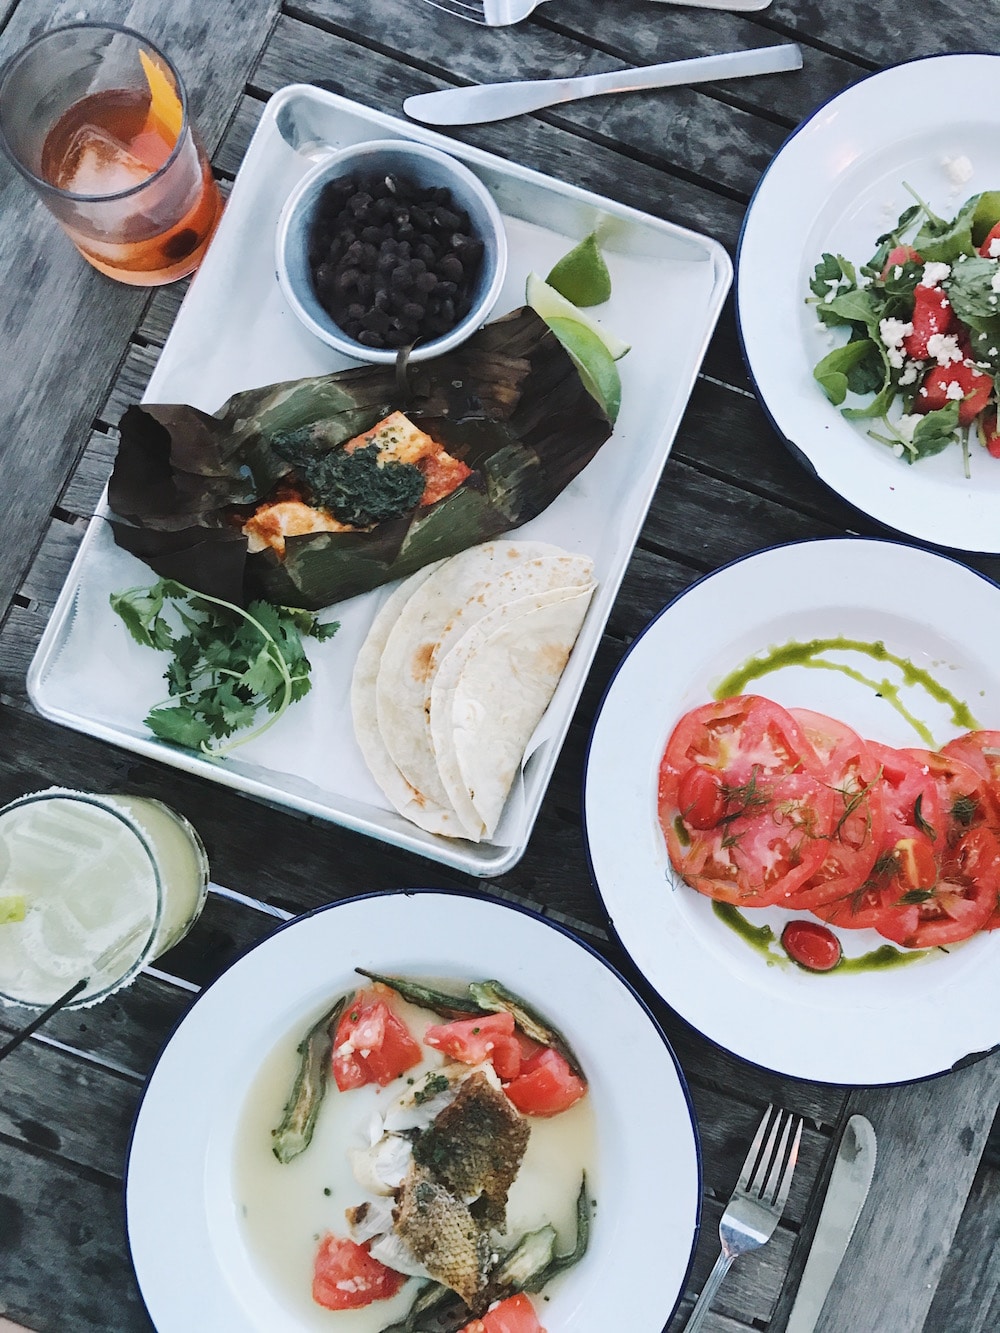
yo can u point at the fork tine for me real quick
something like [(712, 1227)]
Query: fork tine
[(781, 1198), (772, 1173), (755, 1153)]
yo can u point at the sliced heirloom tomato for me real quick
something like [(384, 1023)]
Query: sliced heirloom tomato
[(346, 1277), (546, 1085), (472, 1041), (854, 774), (735, 739), (371, 1045), (981, 751), (514, 1315), (742, 801), (961, 901), (927, 885)]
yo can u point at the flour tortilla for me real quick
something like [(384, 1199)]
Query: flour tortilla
[(517, 616), (460, 592), (410, 802), (507, 670)]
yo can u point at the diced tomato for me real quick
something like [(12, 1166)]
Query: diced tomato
[(346, 1277), (932, 313), (898, 256), (701, 796), (961, 902), (474, 1040), (514, 1315), (986, 249), (811, 945), (546, 1085), (936, 390), (371, 1044)]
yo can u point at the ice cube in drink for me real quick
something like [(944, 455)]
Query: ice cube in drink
[(102, 892), (96, 162)]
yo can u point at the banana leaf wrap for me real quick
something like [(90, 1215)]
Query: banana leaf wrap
[(509, 403)]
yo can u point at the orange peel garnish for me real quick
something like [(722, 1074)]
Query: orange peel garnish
[(165, 115)]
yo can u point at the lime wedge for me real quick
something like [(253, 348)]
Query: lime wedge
[(593, 360), (12, 908), (582, 275), (550, 304)]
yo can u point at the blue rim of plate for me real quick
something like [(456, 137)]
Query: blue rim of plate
[(972, 1057), (801, 458), (533, 915)]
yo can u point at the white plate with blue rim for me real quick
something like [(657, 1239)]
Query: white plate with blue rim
[(207, 1251), (900, 644), (836, 185)]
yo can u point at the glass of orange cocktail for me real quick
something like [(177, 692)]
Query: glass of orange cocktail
[(96, 118)]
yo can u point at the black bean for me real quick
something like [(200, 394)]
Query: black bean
[(384, 249)]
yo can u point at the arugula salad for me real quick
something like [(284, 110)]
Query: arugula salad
[(923, 322)]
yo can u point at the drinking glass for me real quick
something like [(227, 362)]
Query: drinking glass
[(96, 118), (91, 887)]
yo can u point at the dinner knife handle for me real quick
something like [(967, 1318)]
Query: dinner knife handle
[(712, 1284)]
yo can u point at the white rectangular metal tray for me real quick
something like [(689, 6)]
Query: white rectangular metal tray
[(234, 331)]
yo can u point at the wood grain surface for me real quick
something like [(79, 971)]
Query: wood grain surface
[(925, 1257)]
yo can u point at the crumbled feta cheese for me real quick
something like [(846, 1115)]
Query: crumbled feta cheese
[(934, 273), (897, 449), (995, 281), (994, 252), (957, 169), (954, 391), (909, 375), (906, 425), (893, 331), (944, 348), (897, 272)]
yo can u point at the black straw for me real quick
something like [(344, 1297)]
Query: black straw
[(43, 1017)]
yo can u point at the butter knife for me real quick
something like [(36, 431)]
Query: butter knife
[(499, 101), (845, 1197)]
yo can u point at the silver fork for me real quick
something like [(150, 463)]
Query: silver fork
[(492, 13), (757, 1202)]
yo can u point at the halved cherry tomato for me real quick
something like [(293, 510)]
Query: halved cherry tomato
[(514, 1315), (475, 1040), (854, 774), (916, 863), (346, 1277), (972, 392), (546, 1085), (701, 795), (371, 1045), (811, 945)]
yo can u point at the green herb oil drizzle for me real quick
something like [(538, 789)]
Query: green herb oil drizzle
[(760, 939), (807, 654)]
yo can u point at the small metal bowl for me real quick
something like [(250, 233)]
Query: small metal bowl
[(424, 167)]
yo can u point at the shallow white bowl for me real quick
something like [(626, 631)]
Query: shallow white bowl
[(424, 167), (194, 1267)]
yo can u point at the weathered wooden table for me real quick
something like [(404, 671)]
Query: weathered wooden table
[(78, 348)]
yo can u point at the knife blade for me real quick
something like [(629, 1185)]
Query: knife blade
[(845, 1197), (499, 101)]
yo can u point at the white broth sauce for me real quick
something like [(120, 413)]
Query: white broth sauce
[(285, 1210)]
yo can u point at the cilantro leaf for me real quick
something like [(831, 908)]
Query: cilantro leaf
[(226, 665)]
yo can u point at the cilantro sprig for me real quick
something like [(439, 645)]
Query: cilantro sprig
[(228, 663)]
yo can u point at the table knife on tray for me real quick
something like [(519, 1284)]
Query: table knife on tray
[(845, 1197), (498, 101)]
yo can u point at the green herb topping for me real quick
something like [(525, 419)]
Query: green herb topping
[(355, 487)]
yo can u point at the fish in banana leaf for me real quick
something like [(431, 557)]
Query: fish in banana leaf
[(509, 404)]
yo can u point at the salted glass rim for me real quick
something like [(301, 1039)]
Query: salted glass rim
[(104, 803)]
